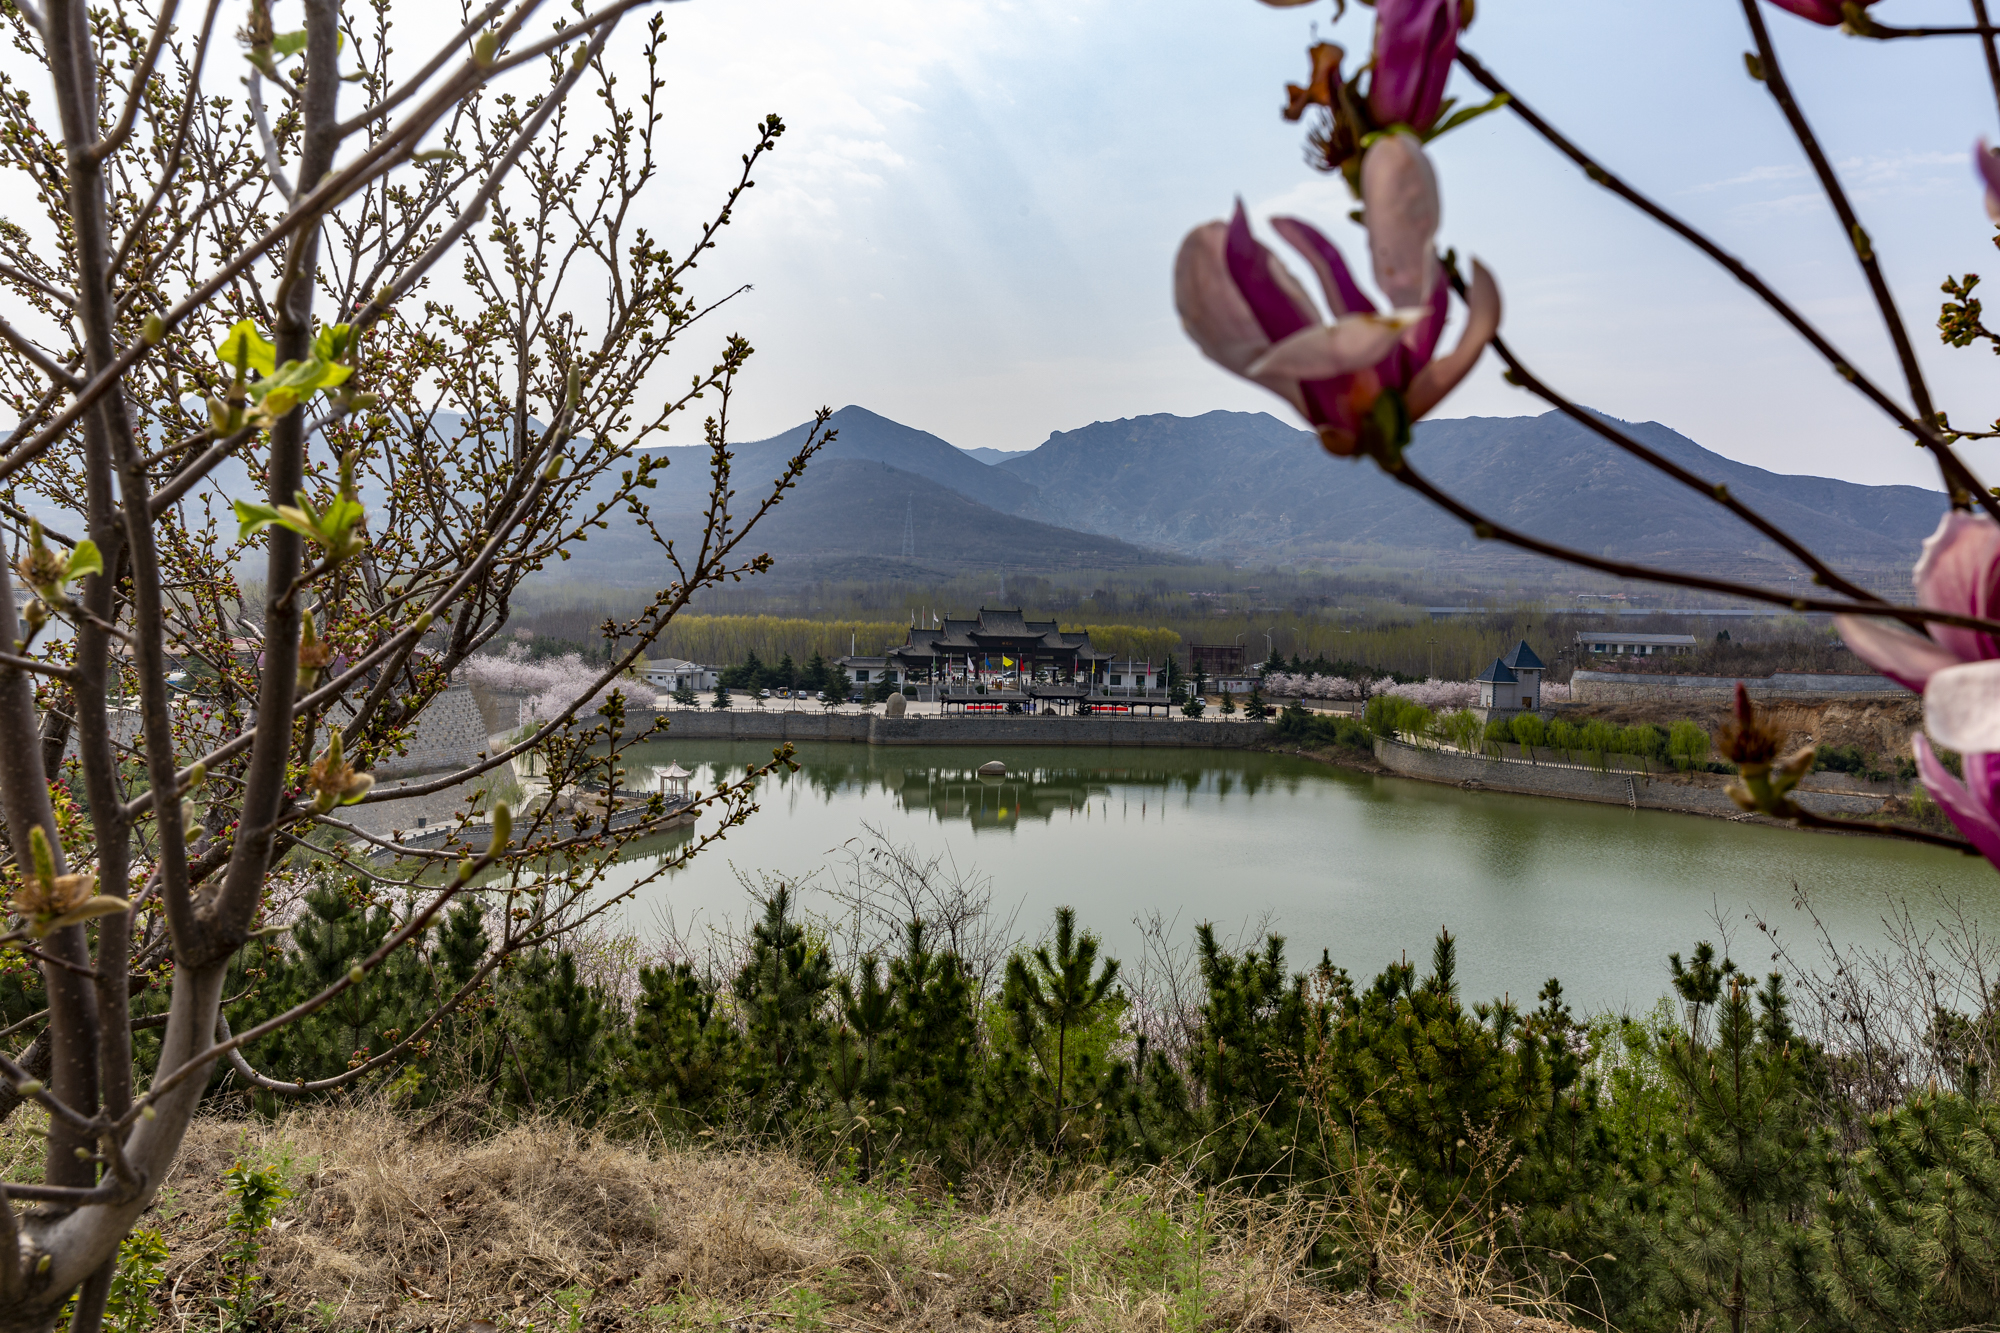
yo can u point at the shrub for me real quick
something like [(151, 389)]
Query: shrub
[(1528, 730), (1688, 743), (1462, 728)]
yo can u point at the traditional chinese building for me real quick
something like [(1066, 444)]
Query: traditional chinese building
[(998, 647)]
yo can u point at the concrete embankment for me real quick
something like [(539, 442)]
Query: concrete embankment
[(871, 729), (1691, 793)]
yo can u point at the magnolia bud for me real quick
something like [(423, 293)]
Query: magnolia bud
[(356, 975), (156, 329), (28, 1087)]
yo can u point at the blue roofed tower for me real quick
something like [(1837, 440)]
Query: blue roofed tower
[(1528, 670)]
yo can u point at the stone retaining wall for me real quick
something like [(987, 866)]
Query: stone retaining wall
[(1695, 793), (784, 725), (1594, 687), (449, 734)]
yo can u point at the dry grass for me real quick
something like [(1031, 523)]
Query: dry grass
[(399, 1225)]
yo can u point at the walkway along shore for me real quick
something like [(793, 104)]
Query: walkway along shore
[(1690, 793)]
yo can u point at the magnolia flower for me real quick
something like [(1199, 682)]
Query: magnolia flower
[(1247, 313), (1988, 167), (1956, 670), (1972, 804), (1827, 13), (1415, 43)]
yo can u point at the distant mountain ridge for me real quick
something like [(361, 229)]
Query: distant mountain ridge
[(885, 499), (1235, 485)]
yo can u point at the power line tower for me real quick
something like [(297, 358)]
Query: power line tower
[(909, 529)]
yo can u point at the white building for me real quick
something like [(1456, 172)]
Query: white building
[(1616, 642), (1130, 675), (670, 673), (872, 671)]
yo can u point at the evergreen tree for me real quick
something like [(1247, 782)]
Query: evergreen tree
[(1228, 706), (1255, 705), (782, 992), (1733, 1241), (785, 676), (685, 695), (1053, 998), (1910, 1226), (932, 1054), (569, 1032), (721, 699), (340, 926), (839, 685), (684, 1053), (1238, 1100), (814, 676)]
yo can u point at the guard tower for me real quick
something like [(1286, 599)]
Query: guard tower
[(1528, 670)]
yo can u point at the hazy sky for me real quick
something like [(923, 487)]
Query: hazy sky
[(970, 225)]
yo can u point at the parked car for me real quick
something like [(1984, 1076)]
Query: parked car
[(763, 694)]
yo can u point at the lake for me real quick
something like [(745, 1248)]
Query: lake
[(1367, 868)]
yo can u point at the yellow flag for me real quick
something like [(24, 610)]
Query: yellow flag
[(1006, 661)]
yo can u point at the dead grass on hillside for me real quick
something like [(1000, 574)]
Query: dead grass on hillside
[(396, 1226)]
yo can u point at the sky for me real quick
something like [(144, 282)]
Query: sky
[(970, 224)]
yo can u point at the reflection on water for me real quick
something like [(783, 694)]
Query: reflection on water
[(1368, 868)]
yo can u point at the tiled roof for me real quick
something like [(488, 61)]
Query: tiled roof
[(1523, 658), (1498, 674)]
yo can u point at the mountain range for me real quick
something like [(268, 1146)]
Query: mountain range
[(888, 500), (1246, 487)]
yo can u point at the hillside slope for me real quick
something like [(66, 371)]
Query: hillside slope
[(848, 517), (866, 436), (1235, 485)]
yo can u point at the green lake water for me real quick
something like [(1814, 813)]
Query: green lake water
[(1367, 868)]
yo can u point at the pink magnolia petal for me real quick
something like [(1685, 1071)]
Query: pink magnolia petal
[(1482, 321), (1957, 573), (1972, 815), (1415, 41), (1215, 314), (1343, 294), (1962, 707), (1281, 306), (1903, 655), (1988, 167), (1824, 12), (1212, 311), (1399, 204), (1330, 350), (1419, 342)]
